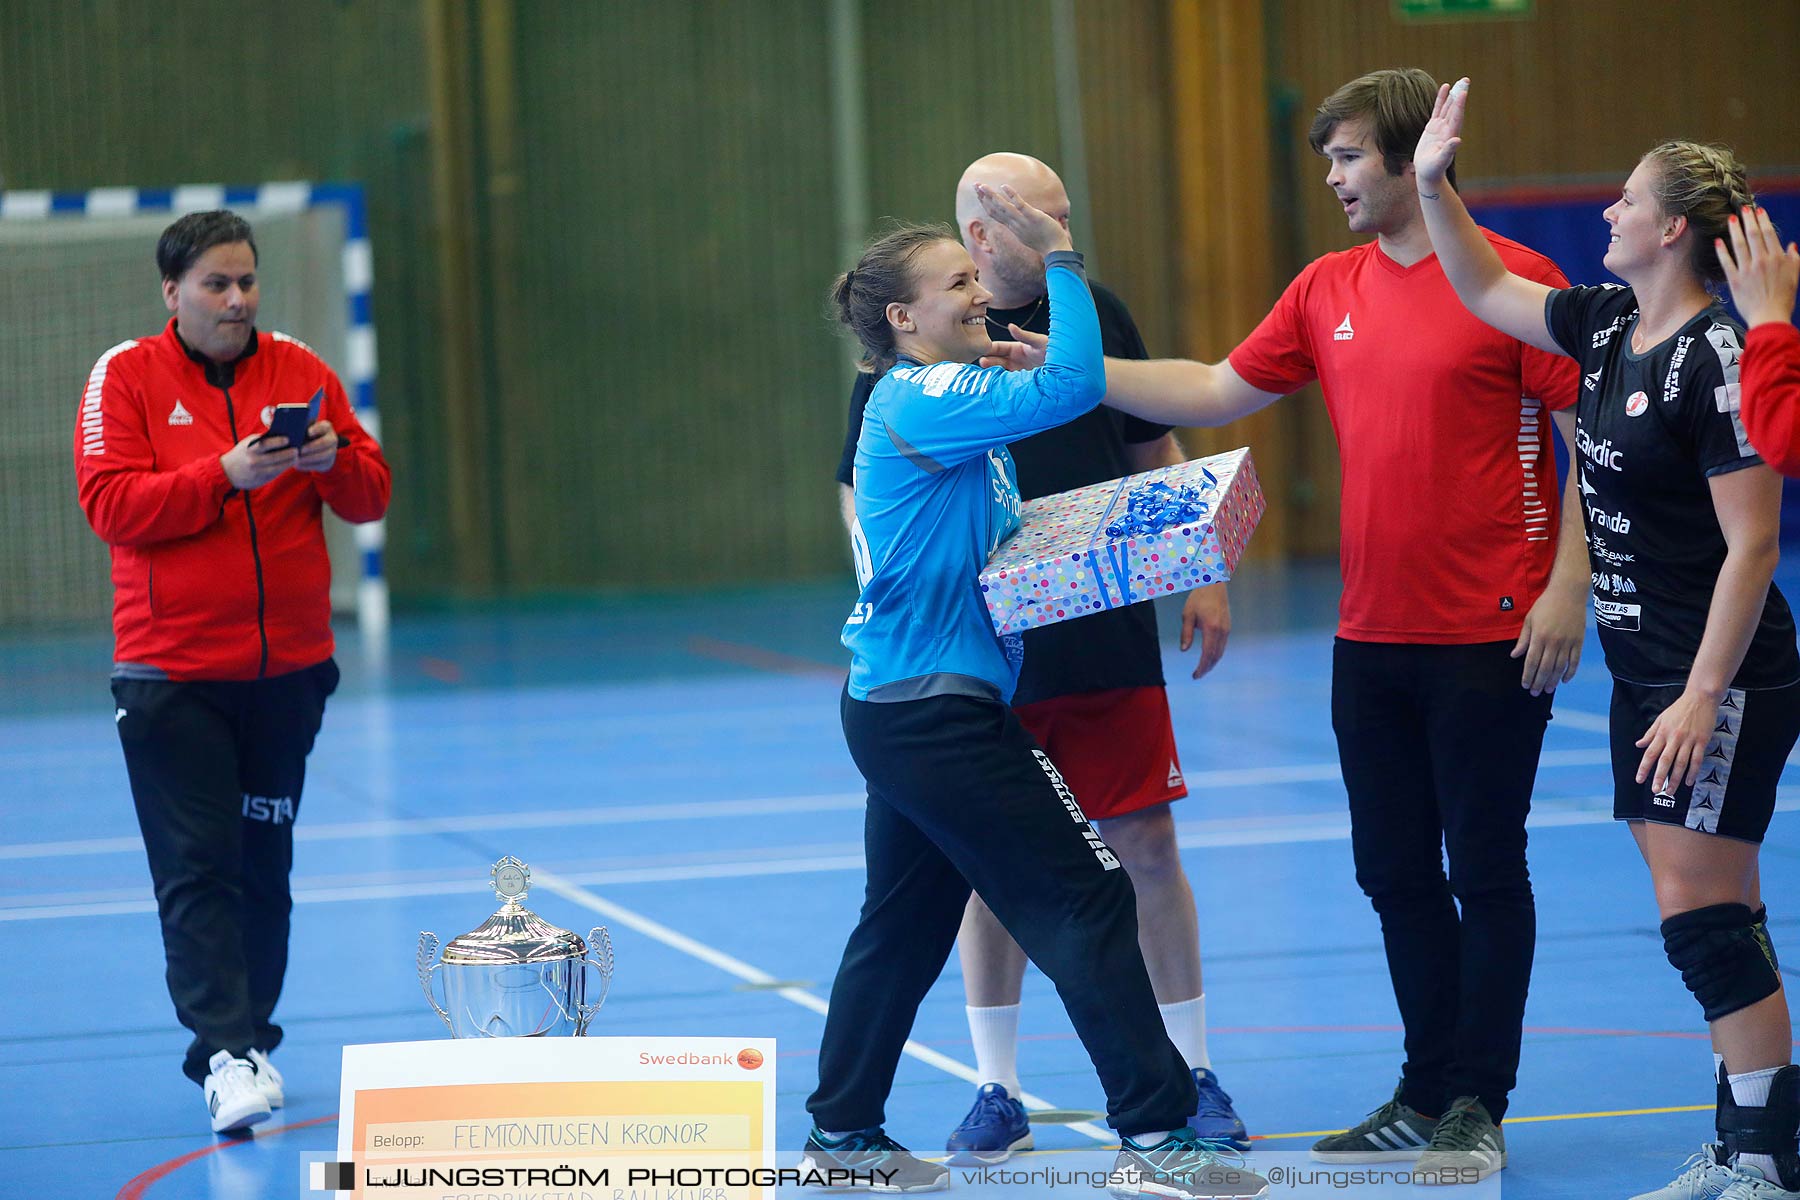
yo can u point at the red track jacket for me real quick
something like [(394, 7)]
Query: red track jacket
[(210, 582), (1771, 398)]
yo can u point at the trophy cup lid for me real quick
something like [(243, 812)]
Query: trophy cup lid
[(514, 934)]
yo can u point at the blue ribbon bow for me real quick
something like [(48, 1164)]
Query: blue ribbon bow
[(1154, 507), (1150, 508)]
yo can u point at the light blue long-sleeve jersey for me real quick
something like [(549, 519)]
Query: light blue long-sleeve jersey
[(936, 494)]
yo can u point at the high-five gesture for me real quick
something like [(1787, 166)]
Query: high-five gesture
[(1033, 226), (1762, 276), (1443, 134)]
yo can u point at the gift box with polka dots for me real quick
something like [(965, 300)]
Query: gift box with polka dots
[(1061, 564)]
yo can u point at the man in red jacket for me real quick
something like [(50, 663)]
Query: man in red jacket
[(1762, 278), (222, 627)]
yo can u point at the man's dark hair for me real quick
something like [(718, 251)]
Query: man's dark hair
[(196, 233), (1398, 106)]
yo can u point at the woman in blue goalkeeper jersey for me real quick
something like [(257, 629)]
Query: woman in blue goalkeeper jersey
[(959, 794)]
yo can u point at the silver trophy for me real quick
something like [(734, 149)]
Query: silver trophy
[(516, 975)]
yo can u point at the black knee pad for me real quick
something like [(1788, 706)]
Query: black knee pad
[(1724, 955)]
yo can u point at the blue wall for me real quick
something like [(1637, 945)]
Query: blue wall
[(1572, 232)]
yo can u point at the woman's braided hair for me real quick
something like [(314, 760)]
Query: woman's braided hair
[(1707, 185)]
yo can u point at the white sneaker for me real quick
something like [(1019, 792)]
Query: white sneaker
[(268, 1079), (1748, 1183), (233, 1099), (1704, 1176)]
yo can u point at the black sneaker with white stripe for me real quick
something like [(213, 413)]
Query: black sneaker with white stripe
[(1466, 1146), (884, 1164), (1395, 1132)]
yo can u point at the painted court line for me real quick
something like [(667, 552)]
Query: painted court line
[(794, 860), (631, 919), (140, 1183), (693, 810)]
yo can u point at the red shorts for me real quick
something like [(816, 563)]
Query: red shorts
[(1115, 749)]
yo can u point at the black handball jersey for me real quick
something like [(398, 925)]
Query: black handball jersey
[(1107, 650), (1652, 429)]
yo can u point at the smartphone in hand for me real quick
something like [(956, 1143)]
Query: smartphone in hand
[(291, 421)]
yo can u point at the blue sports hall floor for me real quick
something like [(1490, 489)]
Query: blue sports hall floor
[(676, 763)]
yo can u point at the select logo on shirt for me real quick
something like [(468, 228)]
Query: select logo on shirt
[(1614, 615), (180, 416), (1591, 380), (1636, 404), (1343, 332)]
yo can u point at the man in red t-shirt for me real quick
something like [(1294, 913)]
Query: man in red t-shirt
[(1463, 606)]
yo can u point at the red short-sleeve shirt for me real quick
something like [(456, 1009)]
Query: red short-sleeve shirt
[(1449, 501)]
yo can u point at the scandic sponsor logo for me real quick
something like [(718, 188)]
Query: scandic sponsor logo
[(1600, 453)]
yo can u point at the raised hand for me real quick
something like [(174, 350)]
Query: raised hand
[(1443, 135), (1036, 228), (1761, 275)]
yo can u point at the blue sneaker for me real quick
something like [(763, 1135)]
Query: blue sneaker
[(994, 1128), (1215, 1119)]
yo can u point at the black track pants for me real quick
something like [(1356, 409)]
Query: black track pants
[(216, 772), (960, 795)]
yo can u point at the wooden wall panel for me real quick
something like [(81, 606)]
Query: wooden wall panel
[(1578, 90), (1222, 228), (1125, 111)]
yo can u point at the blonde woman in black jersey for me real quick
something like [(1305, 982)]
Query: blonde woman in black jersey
[(1683, 524)]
